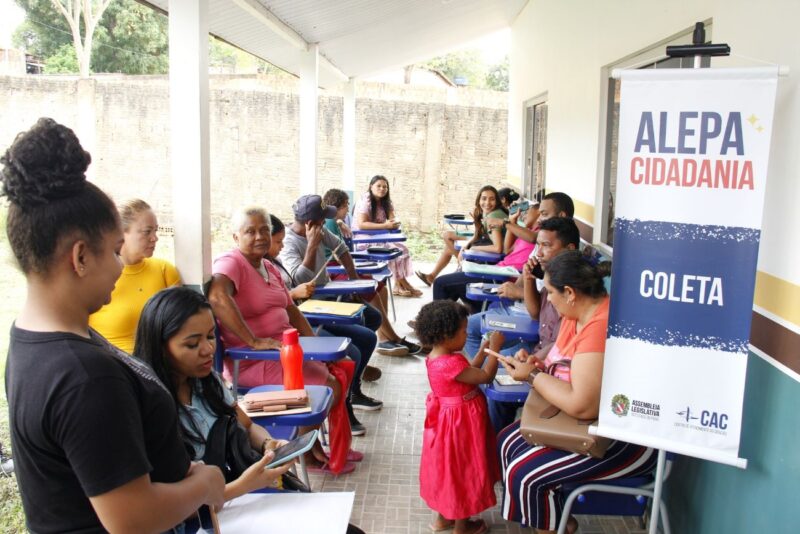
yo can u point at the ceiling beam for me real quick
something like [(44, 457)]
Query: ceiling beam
[(276, 25)]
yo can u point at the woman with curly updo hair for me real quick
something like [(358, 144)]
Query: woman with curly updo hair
[(94, 432), (459, 466)]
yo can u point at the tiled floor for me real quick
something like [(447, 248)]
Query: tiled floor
[(386, 483)]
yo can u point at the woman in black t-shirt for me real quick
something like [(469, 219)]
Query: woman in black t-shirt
[(95, 437)]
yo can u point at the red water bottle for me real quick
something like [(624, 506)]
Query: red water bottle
[(292, 360)]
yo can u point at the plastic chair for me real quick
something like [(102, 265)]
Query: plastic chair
[(624, 496)]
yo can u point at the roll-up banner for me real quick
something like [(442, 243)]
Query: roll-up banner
[(692, 171)]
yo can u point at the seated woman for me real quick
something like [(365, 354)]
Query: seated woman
[(487, 205), (507, 197), (375, 211), (363, 338), (389, 342), (176, 337), (532, 495), (142, 276), (253, 308)]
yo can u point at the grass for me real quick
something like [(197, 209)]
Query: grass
[(424, 247), (12, 293)]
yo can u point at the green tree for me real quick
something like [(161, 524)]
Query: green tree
[(129, 38), (63, 61), (466, 64), (497, 76)]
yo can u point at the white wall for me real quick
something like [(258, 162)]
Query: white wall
[(561, 46)]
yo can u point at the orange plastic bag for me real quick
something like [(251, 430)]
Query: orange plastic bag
[(339, 427)]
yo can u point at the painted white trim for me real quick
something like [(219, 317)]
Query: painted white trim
[(775, 318), (775, 363)]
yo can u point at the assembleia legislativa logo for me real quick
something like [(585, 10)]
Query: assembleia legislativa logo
[(620, 405)]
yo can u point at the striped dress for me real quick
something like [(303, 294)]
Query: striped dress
[(533, 475)]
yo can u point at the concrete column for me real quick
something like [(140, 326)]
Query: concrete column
[(189, 138), (309, 84), (349, 137)]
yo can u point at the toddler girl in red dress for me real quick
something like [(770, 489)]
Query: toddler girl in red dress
[(459, 466)]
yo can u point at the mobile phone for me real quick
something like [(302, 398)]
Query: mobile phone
[(294, 448), (522, 206)]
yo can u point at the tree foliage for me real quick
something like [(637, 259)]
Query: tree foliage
[(497, 76), (129, 38), (468, 65), (463, 64)]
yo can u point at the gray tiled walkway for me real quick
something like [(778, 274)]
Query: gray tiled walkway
[(386, 483)]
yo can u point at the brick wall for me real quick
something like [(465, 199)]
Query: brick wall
[(437, 146)]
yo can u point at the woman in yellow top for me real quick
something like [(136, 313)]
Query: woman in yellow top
[(142, 276)]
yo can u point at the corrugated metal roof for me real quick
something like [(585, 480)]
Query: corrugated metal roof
[(356, 37)]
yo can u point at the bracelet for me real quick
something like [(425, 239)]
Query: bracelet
[(532, 375)]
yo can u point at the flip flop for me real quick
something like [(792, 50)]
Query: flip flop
[(424, 277), (325, 469), (434, 528), (354, 456)]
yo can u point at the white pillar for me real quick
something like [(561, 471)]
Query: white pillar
[(309, 84), (189, 137), (349, 137)]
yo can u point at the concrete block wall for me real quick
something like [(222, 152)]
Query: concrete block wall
[(437, 146)]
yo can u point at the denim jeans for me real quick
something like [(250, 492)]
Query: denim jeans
[(453, 286)]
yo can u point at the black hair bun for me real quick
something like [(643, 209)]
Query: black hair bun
[(43, 164)]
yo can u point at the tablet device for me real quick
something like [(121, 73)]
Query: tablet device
[(294, 448), (381, 250)]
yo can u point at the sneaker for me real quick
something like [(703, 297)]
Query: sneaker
[(392, 349), (413, 348), (371, 374), (356, 428), (362, 402)]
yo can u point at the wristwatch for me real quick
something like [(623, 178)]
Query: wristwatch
[(533, 374)]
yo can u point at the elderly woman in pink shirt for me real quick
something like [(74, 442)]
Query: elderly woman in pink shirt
[(253, 306)]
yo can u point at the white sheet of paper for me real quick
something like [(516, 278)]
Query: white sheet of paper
[(309, 513)]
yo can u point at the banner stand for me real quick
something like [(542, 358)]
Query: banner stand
[(698, 49), (658, 486)]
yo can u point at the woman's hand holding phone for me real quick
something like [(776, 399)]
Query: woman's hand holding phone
[(259, 476)]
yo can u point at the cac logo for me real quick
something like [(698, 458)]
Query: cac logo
[(620, 405)]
